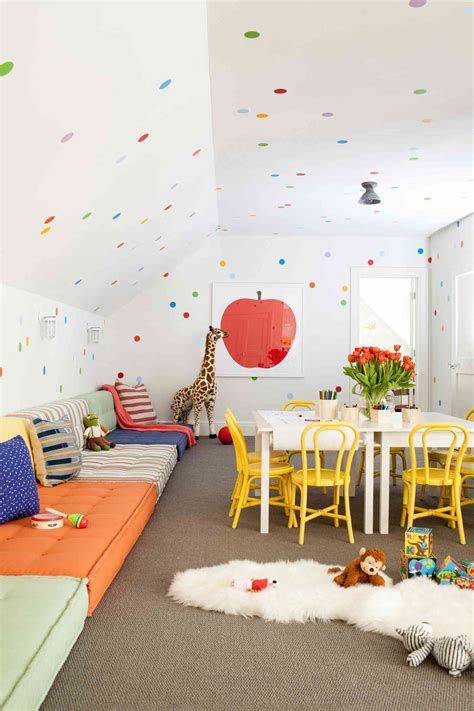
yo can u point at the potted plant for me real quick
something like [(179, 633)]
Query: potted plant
[(376, 371)]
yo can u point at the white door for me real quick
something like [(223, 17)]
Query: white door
[(462, 346), (388, 307)]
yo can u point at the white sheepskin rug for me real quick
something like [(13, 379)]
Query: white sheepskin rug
[(305, 592)]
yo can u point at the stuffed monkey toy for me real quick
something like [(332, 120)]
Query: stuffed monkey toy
[(364, 569)]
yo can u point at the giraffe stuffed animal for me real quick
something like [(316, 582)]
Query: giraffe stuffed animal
[(202, 391)]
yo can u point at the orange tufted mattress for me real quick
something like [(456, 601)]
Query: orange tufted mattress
[(117, 512)]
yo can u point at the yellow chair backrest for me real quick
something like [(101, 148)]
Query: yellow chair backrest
[(240, 445), (349, 441), (295, 404), (469, 415), (453, 458)]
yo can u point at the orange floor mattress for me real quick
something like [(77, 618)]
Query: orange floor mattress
[(117, 512)]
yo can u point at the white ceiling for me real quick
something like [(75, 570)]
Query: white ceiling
[(362, 62), (94, 70)]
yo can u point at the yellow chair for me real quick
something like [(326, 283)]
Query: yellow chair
[(448, 478), (296, 404), (275, 455), (438, 456), (249, 473), (394, 453), (321, 477)]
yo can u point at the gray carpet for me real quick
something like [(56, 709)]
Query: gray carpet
[(143, 651)]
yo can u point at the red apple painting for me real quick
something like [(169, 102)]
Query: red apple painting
[(261, 331)]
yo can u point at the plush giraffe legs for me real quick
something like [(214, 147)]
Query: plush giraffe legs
[(209, 405)]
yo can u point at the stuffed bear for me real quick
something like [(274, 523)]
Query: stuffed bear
[(451, 653), (364, 569), (94, 434)]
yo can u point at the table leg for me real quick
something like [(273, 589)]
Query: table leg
[(258, 441), (265, 482), (369, 483), (384, 484)]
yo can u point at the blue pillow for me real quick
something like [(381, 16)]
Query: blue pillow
[(18, 492)]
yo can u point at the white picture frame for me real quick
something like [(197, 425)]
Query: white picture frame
[(224, 294)]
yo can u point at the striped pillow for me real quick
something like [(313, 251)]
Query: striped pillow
[(62, 456), (136, 402)]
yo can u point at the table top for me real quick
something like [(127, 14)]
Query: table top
[(265, 420)]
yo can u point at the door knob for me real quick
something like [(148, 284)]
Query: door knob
[(453, 365)]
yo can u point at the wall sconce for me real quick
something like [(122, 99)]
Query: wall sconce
[(93, 333), (48, 327)]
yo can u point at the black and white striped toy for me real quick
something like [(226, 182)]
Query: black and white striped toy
[(452, 653)]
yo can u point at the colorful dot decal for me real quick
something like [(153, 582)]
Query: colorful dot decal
[(6, 68), (20, 346), (242, 111), (27, 340), (195, 294), (232, 276), (417, 3), (136, 339), (173, 304), (253, 377), (327, 254), (374, 172), (427, 120), (46, 229), (299, 175), (120, 375), (251, 34), (174, 186), (275, 175), (77, 282), (343, 302), (186, 314), (290, 396), (222, 263), (430, 259), (139, 379), (65, 320), (145, 219), (420, 250), (262, 116), (327, 114), (166, 274), (116, 216), (192, 214), (120, 245), (67, 137), (120, 159), (420, 91), (141, 269), (338, 389), (164, 84), (115, 281), (44, 370), (168, 207), (345, 288), (88, 214), (143, 137), (263, 144), (343, 140), (413, 158), (281, 261), (49, 219), (196, 153), (370, 262), (312, 284), (279, 91)]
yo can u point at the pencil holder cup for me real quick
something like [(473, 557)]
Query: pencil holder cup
[(316, 409), (350, 414), (327, 410), (411, 415), (381, 417)]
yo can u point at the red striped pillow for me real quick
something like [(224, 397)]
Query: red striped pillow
[(136, 402)]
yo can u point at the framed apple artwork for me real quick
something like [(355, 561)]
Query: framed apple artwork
[(265, 326)]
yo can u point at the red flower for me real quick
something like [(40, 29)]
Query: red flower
[(362, 360), (396, 348), (352, 358)]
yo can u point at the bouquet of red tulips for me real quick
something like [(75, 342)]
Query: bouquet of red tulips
[(376, 371)]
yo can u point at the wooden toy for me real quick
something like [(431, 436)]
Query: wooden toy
[(469, 566), (412, 567), (77, 520), (419, 542), (465, 583), (47, 521), (449, 571)]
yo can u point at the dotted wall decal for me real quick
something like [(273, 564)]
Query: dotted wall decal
[(6, 68), (49, 219), (420, 91), (46, 229), (67, 137), (343, 302), (196, 152), (136, 339), (120, 245), (370, 262), (427, 120), (27, 340), (173, 304), (420, 250), (263, 145), (281, 261), (279, 91), (60, 388), (186, 314), (374, 172), (299, 175), (195, 294), (168, 207), (116, 216), (164, 84), (141, 269), (417, 3), (343, 140), (253, 377), (143, 137), (166, 274), (145, 219), (251, 34), (222, 263), (232, 276), (327, 254), (429, 260), (290, 396), (312, 284), (413, 158), (120, 375), (327, 114), (139, 380), (44, 370), (174, 186), (262, 116), (77, 282), (115, 281), (65, 320), (20, 346), (338, 389), (345, 288), (192, 214), (242, 111), (120, 159), (87, 214), (275, 175)]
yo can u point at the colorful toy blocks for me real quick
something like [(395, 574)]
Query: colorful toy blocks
[(412, 567), (469, 566), (419, 542), (449, 571), (465, 583)]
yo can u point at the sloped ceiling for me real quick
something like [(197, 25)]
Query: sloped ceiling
[(115, 167), (347, 92), (89, 81)]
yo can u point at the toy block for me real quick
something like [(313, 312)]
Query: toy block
[(465, 583), (449, 571), (469, 566), (419, 542), (412, 567)]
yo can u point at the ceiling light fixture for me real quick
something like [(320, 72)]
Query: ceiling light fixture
[(370, 197)]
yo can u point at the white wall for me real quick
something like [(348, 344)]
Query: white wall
[(452, 253), (34, 370), (170, 348)]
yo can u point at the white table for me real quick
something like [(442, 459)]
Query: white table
[(394, 434)]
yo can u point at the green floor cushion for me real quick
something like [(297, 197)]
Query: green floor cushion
[(41, 618), (101, 402)]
